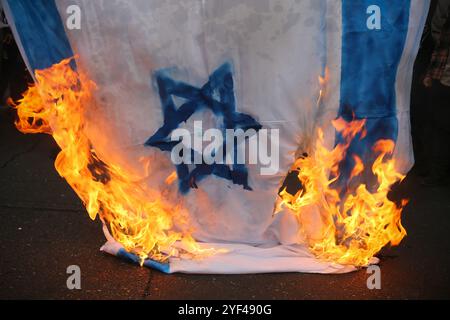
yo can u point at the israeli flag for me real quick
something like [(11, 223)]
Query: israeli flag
[(161, 66)]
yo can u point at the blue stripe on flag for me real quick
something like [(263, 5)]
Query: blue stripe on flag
[(41, 32), (370, 60), (125, 255)]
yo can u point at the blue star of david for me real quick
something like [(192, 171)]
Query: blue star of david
[(216, 95)]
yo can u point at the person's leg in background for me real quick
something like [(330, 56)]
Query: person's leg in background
[(19, 77), (420, 122), (3, 75), (14, 74), (439, 109)]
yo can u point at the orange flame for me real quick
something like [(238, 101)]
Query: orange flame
[(138, 218), (352, 229), (357, 226), (358, 168), (171, 178)]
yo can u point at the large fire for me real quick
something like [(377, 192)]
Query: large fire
[(352, 229), (137, 217), (355, 226)]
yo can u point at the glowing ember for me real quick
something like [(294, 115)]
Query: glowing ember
[(137, 217)]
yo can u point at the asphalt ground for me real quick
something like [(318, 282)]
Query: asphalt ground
[(44, 229)]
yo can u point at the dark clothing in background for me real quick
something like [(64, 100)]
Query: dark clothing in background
[(439, 107), (420, 120), (14, 77), (439, 67), (437, 78)]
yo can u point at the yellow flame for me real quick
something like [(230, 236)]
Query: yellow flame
[(171, 178), (352, 229), (138, 217)]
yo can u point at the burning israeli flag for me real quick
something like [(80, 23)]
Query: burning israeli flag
[(228, 136)]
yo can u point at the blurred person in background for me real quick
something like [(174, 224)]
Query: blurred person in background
[(437, 80), (420, 124), (14, 76)]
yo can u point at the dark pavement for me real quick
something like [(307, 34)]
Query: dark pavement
[(44, 229)]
